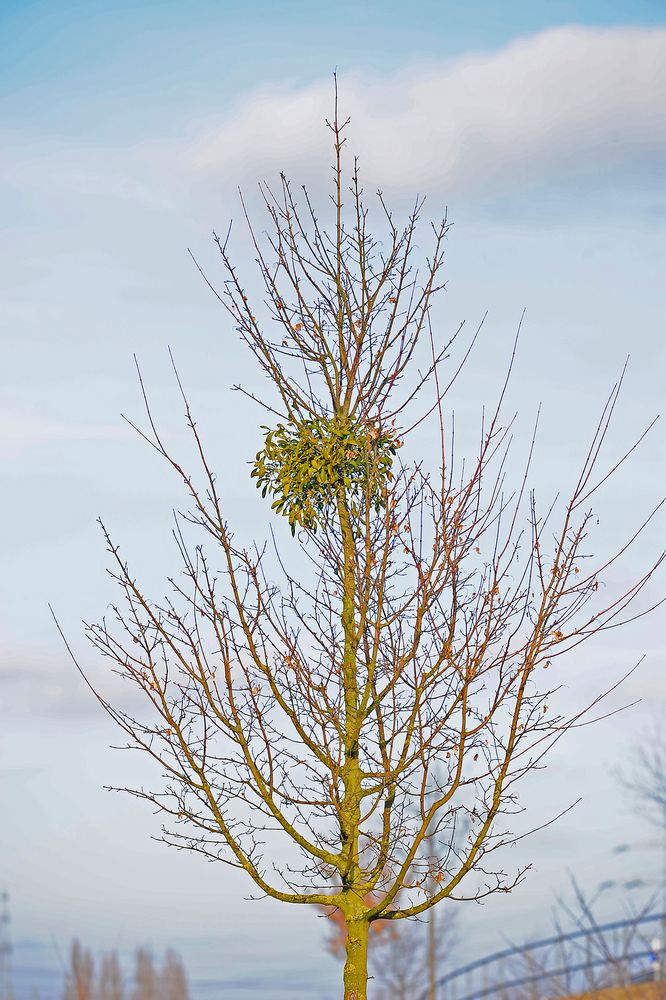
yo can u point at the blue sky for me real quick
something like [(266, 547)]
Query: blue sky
[(125, 129), (132, 68)]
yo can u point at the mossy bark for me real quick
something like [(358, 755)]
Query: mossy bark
[(356, 964), (356, 946)]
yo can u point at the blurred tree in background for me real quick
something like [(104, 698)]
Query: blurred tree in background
[(148, 981)]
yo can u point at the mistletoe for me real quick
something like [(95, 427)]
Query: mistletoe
[(305, 464)]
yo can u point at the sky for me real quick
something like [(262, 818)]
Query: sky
[(126, 129)]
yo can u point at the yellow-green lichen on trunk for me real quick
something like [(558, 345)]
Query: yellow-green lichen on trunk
[(356, 963)]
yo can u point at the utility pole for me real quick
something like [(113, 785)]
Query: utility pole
[(432, 938), (6, 989), (432, 956), (658, 944)]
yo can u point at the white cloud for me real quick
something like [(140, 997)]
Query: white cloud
[(564, 103), (556, 103)]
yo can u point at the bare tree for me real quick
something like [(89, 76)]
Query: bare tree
[(314, 713), (645, 774), (584, 957), (111, 983), (644, 778), (167, 983), (146, 978), (599, 957), (79, 983), (173, 981)]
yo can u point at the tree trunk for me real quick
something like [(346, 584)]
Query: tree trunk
[(356, 963)]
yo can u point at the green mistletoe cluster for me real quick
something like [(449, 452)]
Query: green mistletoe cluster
[(303, 464)]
